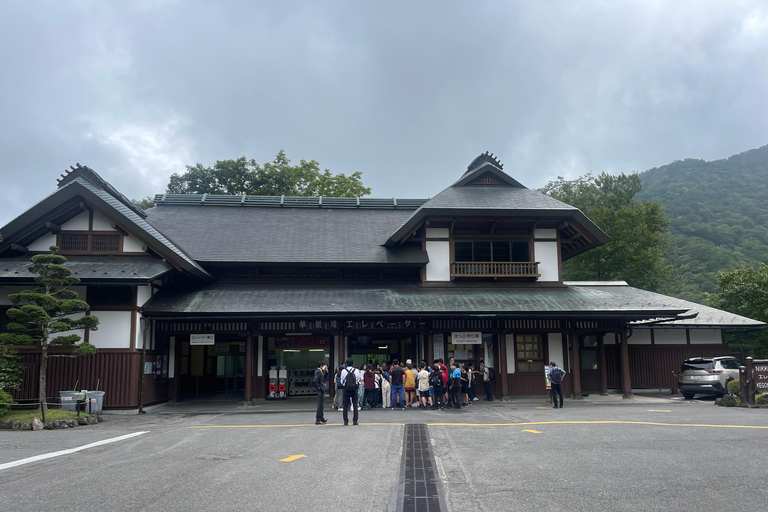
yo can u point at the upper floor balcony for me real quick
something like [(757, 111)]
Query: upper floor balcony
[(495, 269)]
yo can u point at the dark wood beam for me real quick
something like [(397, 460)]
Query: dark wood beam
[(55, 228), (19, 248), (119, 229)]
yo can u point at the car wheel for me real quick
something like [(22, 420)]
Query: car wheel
[(688, 396)]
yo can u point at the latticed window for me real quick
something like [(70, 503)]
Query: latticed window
[(106, 243), (74, 242), (109, 296), (491, 251), (530, 352)]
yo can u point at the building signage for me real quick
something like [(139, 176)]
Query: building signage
[(466, 338), (375, 324), (202, 339), (761, 378), (294, 342), (437, 342)]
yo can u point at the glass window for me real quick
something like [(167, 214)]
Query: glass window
[(520, 251), (501, 251), (463, 251), (482, 251), (529, 352)]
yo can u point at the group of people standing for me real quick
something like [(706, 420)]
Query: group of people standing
[(396, 385)]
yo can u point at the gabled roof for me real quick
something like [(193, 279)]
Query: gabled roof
[(93, 269), (487, 191), (85, 185)]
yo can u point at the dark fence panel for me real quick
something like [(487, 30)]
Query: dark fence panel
[(115, 373)]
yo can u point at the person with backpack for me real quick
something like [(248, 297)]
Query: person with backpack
[(486, 381), (436, 383), (555, 375), (349, 379)]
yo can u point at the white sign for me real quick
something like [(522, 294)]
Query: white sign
[(437, 341), (461, 355), (202, 339), (466, 338)]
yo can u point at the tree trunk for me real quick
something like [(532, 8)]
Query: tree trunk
[(43, 372)]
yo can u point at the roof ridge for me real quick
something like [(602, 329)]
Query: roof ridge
[(288, 201)]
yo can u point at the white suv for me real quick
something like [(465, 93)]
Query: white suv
[(707, 375)]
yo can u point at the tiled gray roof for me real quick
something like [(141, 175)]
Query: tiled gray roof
[(571, 301), (93, 268), (285, 235)]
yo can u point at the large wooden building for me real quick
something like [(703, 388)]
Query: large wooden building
[(204, 294)]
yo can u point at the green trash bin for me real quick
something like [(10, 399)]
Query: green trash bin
[(94, 401)]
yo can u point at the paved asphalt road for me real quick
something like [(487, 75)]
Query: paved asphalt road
[(666, 455)]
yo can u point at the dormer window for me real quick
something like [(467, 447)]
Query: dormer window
[(493, 258)]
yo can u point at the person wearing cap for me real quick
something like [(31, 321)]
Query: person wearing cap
[(321, 387), (555, 375)]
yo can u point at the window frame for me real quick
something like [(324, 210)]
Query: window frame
[(543, 352), (90, 234)]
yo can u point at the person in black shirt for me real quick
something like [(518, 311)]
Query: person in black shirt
[(322, 387), (396, 376)]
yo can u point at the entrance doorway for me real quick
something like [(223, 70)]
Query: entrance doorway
[(207, 370), (298, 355), (371, 349), (588, 357)]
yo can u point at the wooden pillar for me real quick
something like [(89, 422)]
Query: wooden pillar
[(601, 362), (575, 366), (249, 368), (501, 363), (429, 350), (626, 382)]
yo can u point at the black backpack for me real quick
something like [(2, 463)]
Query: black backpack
[(556, 375), (350, 381), (491, 373), (436, 380)]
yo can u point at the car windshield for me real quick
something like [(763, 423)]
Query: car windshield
[(697, 365)]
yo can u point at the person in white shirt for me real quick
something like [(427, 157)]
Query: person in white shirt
[(350, 390)]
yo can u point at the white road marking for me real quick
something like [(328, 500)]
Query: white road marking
[(44, 456), (440, 470)]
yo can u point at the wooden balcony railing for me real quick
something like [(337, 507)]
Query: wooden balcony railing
[(496, 269)]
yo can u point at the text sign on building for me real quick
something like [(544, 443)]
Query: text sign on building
[(437, 340), (761, 377), (202, 339), (466, 338)]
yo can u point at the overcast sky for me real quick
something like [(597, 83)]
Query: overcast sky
[(406, 92)]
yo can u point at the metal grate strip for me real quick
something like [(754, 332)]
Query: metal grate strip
[(419, 488)]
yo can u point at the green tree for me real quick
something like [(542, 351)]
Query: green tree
[(275, 178), (10, 368), (744, 291), (145, 203), (638, 230), (44, 315)]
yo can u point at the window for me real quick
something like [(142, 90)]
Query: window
[(529, 352), (88, 242), (109, 296), (491, 251)]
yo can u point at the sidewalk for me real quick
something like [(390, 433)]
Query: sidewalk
[(236, 405)]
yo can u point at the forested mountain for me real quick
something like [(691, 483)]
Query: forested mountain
[(718, 213)]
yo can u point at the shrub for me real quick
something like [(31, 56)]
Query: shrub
[(5, 400), (762, 399), (733, 387)]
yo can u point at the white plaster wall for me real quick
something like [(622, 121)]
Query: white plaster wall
[(114, 329), (555, 348), (640, 337), (43, 243), (545, 233), (669, 337), (143, 293), (439, 266), (706, 337), (138, 340), (437, 232), (546, 255), (78, 223), (132, 244), (102, 223), (510, 353)]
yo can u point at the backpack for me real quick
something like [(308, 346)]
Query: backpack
[(350, 381), (491, 373), (556, 375), (436, 380)]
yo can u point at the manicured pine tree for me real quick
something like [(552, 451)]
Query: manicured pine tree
[(45, 314)]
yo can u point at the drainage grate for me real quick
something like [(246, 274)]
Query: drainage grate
[(419, 489)]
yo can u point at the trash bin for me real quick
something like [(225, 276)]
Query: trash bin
[(94, 401), (69, 399)]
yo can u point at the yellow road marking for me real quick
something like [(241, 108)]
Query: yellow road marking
[(543, 407), (658, 410), (596, 422), (532, 431), (292, 458)]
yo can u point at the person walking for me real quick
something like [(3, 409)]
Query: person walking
[(486, 381), (555, 374), (396, 377), (349, 379), (322, 387)]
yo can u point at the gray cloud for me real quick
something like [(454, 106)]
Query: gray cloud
[(407, 92)]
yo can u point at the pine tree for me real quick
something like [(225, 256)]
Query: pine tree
[(45, 314)]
